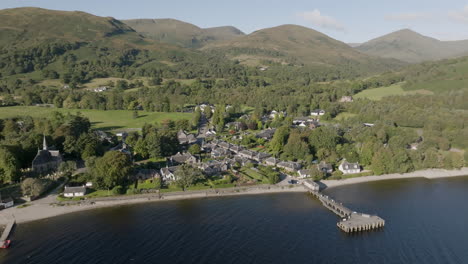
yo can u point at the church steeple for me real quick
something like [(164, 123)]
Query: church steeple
[(44, 144)]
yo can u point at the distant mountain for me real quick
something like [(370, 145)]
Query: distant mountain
[(297, 45), (407, 45), (180, 33)]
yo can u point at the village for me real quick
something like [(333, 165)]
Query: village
[(220, 157)]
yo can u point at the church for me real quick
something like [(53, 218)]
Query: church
[(46, 160)]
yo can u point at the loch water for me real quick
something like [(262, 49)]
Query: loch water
[(426, 222)]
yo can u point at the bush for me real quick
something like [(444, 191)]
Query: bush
[(117, 190)]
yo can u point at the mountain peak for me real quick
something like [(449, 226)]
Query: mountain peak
[(410, 46)]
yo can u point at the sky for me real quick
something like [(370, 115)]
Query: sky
[(354, 21)]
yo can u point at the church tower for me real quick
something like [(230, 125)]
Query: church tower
[(44, 144)]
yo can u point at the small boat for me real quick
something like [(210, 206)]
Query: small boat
[(6, 244)]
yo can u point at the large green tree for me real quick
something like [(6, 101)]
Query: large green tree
[(9, 166), (111, 170), (185, 176)]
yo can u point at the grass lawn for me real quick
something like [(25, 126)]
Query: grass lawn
[(378, 93), (105, 120), (343, 116), (254, 174)]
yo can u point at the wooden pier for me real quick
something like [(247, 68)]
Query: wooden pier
[(350, 221), (6, 233)]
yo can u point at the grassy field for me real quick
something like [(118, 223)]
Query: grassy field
[(379, 93), (105, 120), (343, 116)]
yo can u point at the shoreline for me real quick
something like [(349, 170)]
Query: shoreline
[(428, 174), (39, 210)]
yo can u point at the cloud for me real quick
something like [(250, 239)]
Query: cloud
[(460, 16), (409, 16), (316, 18)]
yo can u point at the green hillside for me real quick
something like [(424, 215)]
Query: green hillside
[(409, 46), (297, 45), (180, 33), (26, 27)]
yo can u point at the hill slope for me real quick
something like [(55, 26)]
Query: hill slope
[(410, 46), (25, 27), (33, 40), (292, 44), (180, 33)]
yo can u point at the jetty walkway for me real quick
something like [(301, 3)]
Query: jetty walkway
[(7, 231), (350, 221)]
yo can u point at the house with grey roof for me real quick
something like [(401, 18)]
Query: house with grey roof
[(246, 154), (146, 174), (185, 138), (220, 152), (77, 191), (349, 168), (214, 167), (261, 156), (304, 173), (325, 167), (236, 148), (289, 166), (266, 134), (181, 158), (271, 161)]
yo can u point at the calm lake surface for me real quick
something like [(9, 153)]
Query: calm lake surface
[(426, 222)]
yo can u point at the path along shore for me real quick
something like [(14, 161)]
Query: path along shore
[(428, 174), (46, 207)]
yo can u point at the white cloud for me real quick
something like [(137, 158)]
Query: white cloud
[(316, 18), (460, 16), (408, 16)]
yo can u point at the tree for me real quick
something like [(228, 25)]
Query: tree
[(316, 174), (153, 144), (207, 111), (296, 148), (9, 166), (111, 170), (324, 137), (273, 177), (185, 176), (67, 167), (279, 139), (33, 187), (194, 149), (196, 117)]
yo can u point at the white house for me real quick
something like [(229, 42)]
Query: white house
[(168, 173), (349, 168), (74, 191), (304, 173), (317, 112)]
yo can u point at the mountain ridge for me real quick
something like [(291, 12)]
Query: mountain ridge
[(413, 47), (184, 34), (293, 44)]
